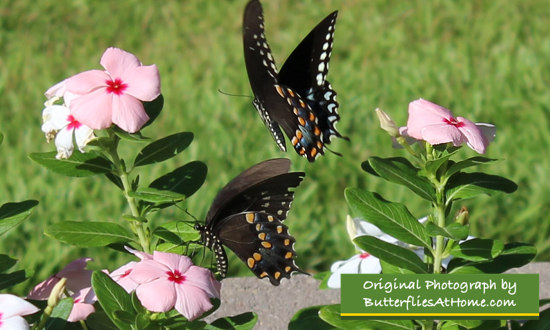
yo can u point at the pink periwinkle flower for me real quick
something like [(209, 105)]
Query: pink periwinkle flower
[(78, 284), (12, 310), (101, 98), (171, 280), (436, 125), (122, 274)]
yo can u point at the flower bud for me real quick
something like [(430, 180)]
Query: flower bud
[(57, 292), (386, 123), (463, 216), (350, 227)]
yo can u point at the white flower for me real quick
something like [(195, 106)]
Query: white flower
[(362, 263), (12, 308), (61, 125)]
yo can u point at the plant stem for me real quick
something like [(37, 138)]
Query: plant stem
[(138, 227)]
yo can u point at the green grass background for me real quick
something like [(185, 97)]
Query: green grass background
[(486, 60)]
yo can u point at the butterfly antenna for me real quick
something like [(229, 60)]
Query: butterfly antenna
[(238, 95)]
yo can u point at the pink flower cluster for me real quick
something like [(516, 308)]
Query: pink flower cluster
[(96, 99), (436, 125), (99, 98), (162, 281)]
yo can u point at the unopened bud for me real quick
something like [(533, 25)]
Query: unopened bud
[(463, 216), (386, 123), (57, 292), (350, 226)]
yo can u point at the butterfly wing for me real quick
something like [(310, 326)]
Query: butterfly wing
[(255, 202), (247, 179), (305, 71), (278, 105), (262, 242)]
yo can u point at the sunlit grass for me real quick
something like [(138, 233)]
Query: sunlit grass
[(485, 60)]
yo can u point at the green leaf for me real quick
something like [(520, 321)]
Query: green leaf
[(331, 315), (388, 268), (131, 137), (153, 195), (473, 161), (1, 138), (177, 232), (78, 165), (432, 166), (400, 170), (469, 185), (393, 219), (12, 214), (163, 149), (153, 109), (88, 234), (242, 321), (6, 262), (11, 279), (392, 254), (308, 318), (60, 314), (454, 231), (112, 298), (513, 255), (185, 180), (478, 249), (100, 320)]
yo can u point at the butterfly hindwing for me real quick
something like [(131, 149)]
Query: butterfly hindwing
[(262, 242), (297, 100)]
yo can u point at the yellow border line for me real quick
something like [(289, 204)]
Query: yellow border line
[(439, 314)]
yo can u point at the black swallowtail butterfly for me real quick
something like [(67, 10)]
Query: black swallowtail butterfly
[(298, 98), (247, 215)]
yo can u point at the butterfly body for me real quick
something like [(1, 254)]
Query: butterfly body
[(247, 216), (297, 99)]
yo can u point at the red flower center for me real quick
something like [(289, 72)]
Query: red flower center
[(1, 319), (126, 273), (364, 255), (176, 277), (454, 122), (116, 86), (73, 123)]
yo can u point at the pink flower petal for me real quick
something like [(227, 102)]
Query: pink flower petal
[(474, 136), (202, 279), (441, 133), (191, 302), (11, 305), (128, 113), (118, 62), (122, 276), (148, 270), (173, 261), (157, 296), (15, 322), (80, 312), (423, 113), (87, 81), (43, 289), (143, 82), (93, 109)]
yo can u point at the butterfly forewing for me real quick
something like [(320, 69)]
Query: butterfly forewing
[(241, 183)]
